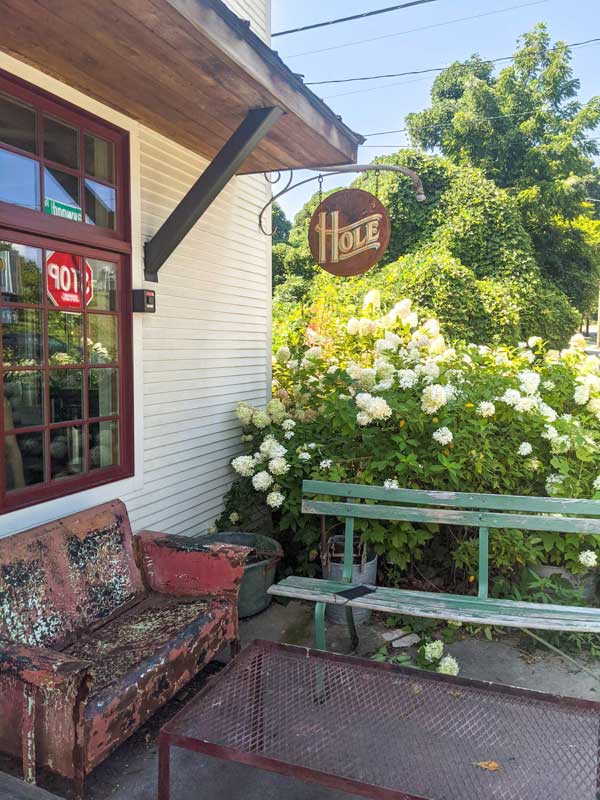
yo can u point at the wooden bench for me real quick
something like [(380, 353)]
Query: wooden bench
[(481, 511)]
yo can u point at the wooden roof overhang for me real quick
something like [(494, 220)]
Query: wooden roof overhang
[(189, 69)]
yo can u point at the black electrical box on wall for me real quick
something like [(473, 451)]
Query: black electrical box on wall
[(144, 301)]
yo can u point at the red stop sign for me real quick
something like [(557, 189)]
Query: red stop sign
[(63, 283)]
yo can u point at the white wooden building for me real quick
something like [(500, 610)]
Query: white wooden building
[(110, 113)]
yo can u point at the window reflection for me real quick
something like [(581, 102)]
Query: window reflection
[(66, 394), (99, 158), (100, 204), (20, 273), (23, 399), (66, 452), (104, 444), (102, 338), (22, 337), (62, 195), (18, 125), (104, 285), (103, 397), (24, 459), (65, 338), (61, 143), (19, 180)]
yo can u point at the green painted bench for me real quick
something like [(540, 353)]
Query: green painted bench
[(482, 511)]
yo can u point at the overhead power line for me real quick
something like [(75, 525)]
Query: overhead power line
[(414, 30), (353, 17), (438, 69)]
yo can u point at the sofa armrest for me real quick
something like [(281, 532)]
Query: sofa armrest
[(38, 666), (180, 565)]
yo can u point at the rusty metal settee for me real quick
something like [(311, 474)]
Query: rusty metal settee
[(98, 629)]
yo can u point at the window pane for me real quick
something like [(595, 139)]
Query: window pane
[(22, 337), (102, 338), (65, 337), (66, 395), (63, 279), (61, 143), (104, 444), (24, 460), (17, 125), (23, 399), (66, 452), (62, 195), (103, 393), (19, 180), (20, 273), (100, 204), (99, 158), (104, 285)]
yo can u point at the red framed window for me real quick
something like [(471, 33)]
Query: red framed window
[(65, 299)]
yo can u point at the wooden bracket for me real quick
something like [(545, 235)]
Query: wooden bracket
[(213, 180)]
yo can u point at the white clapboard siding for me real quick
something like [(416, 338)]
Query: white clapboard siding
[(208, 345)]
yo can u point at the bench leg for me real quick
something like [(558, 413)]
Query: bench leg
[(164, 764), (559, 652), (351, 627), (28, 733), (320, 643)]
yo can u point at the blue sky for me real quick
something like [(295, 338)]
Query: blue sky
[(382, 109)]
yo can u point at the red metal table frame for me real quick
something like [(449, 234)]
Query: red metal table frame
[(369, 729)]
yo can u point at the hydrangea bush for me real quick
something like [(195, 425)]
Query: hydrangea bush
[(382, 399)]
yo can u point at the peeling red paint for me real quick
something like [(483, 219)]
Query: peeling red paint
[(91, 645)]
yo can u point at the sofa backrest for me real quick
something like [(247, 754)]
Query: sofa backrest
[(65, 577)]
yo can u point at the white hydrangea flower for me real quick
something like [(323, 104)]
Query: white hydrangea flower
[(353, 326), (372, 299), (486, 409), (293, 364), (420, 339), (549, 385), (278, 466), (511, 397), (528, 356), (437, 345), (244, 413), (260, 419), (547, 412), (262, 481), (533, 464), (554, 482), (525, 449), (303, 455), (550, 433), (431, 327), (391, 483), (560, 444), (288, 424), (363, 419), (283, 355), (525, 404), (407, 378), (588, 559), (275, 499), (578, 342), (582, 394), (433, 398), (366, 327), (443, 436), (289, 435), (270, 448), (448, 666), (402, 309), (534, 341), (529, 381), (276, 410), (312, 446), (433, 651), (234, 518), (428, 370), (596, 484), (371, 408), (313, 353), (332, 369), (244, 465), (383, 369), (326, 463), (412, 320)]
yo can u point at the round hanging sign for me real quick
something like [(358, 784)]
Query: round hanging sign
[(349, 232)]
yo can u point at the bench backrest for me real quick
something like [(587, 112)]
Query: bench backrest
[(483, 511), (60, 579)]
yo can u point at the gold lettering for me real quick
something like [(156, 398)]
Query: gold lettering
[(349, 240)]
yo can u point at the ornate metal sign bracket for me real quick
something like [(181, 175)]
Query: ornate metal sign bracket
[(341, 170)]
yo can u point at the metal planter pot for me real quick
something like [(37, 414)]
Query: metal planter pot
[(362, 572), (259, 572)]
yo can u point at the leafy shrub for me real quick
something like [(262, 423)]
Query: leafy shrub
[(383, 400)]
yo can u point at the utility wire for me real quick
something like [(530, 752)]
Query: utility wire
[(414, 30), (404, 83), (439, 69), (353, 17)]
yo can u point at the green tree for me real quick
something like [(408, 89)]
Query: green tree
[(281, 224), (526, 130)]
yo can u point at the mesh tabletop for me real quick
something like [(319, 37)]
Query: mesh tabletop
[(372, 724)]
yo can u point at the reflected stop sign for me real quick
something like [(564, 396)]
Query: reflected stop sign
[(63, 283)]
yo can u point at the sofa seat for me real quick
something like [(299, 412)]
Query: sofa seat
[(143, 657)]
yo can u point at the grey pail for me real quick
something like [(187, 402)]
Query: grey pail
[(366, 573)]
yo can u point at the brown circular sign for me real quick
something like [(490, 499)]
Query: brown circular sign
[(349, 232)]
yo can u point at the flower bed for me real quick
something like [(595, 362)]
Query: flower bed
[(382, 399)]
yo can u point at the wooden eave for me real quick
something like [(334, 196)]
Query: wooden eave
[(189, 69)]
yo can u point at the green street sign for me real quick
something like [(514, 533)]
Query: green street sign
[(64, 210)]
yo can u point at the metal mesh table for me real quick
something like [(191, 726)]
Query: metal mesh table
[(391, 732)]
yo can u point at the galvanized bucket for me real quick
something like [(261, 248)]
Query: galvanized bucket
[(259, 572), (363, 571)]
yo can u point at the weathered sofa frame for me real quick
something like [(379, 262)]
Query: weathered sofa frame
[(99, 628)]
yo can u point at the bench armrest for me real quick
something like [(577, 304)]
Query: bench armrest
[(180, 565), (38, 666)]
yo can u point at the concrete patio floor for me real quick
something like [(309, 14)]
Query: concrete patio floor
[(131, 772)]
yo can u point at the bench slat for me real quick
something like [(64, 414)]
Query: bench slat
[(499, 502), (476, 519), (457, 608)]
